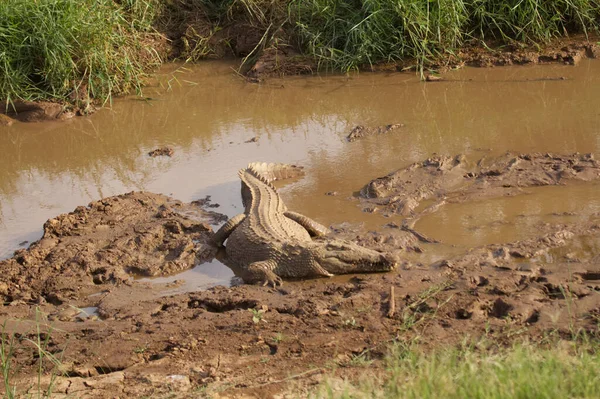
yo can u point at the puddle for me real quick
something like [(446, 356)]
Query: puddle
[(201, 277), (583, 249), (88, 312), (48, 169), (507, 219)]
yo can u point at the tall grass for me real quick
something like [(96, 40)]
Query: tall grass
[(345, 34), (74, 49), (56, 48), (523, 371)]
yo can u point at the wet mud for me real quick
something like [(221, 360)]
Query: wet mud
[(442, 179), (505, 248), (106, 243), (561, 51), (38, 111), (252, 341)]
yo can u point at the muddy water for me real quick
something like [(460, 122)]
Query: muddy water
[(206, 114), (511, 218)]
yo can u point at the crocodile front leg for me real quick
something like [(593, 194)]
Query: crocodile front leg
[(262, 272), (225, 231), (315, 229)]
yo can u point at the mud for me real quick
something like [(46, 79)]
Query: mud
[(563, 51), (276, 61), (106, 243), (39, 111), (258, 342), (443, 179)]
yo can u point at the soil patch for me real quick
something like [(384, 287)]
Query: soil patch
[(259, 342)]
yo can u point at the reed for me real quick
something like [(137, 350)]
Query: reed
[(343, 34)]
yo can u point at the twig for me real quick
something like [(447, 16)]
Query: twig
[(392, 303), (292, 377)]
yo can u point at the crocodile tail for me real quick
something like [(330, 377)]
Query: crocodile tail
[(268, 172)]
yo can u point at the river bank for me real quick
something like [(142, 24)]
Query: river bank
[(272, 38)]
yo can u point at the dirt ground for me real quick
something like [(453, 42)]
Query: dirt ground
[(259, 342)]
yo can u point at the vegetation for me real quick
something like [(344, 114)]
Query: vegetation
[(78, 49), (522, 371), (36, 342), (72, 48), (346, 34)]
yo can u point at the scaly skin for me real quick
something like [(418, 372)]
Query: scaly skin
[(268, 243)]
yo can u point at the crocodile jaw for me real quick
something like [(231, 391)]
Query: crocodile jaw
[(340, 257)]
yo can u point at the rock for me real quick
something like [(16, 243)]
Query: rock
[(162, 151)]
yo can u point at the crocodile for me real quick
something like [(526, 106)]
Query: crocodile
[(268, 243)]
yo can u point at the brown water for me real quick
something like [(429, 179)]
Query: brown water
[(207, 113)]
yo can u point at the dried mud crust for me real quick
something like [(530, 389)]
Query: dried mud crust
[(103, 243), (443, 179)]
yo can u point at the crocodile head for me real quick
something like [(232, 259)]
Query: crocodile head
[(339, 257)]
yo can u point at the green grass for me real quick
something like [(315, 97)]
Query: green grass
[(37, 343), (54, 49), (51, 49), (346, 34), (521, 371)]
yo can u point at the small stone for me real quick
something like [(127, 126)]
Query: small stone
[(162, 151)]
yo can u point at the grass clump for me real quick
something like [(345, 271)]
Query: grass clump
[(53, 49), (521, 371), (37, 343), (347, 34)]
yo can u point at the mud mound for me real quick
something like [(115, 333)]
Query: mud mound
[(143, 233), (445, 179)]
